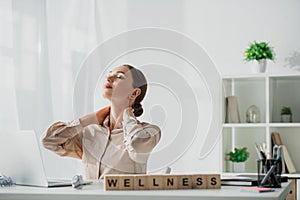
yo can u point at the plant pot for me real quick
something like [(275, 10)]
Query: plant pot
[(259, 66), (238, 167), (286, 118)]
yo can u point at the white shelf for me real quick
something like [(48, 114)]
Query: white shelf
[(285, 125), (244, 125), (249, 125), (242, 76), (269, 92)]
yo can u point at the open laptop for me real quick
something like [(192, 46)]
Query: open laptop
[(20, 158)]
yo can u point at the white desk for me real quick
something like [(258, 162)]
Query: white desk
[(96, 191)]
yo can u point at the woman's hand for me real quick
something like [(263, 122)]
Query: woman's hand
[(102, 114)]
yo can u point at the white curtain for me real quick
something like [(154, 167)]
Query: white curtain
[(42, 46)]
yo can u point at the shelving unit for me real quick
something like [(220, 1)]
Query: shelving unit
[(269, 93)]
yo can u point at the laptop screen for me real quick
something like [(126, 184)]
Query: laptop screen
[(21, 158)]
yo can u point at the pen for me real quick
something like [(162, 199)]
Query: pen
[(279, 152), (280, 157), (264, 148), (262, 153), (275, 150), (258, 152)]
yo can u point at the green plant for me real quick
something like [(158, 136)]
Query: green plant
[(286, 110), (239, 155), (258, 51)]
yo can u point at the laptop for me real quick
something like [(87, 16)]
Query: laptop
[(20, 159)]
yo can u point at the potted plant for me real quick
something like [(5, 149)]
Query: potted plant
[(239, 156), (286, 114), (259, 52)]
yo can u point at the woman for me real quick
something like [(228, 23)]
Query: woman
[(112, 140)]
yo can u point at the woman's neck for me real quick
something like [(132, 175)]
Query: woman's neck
[(116, 115)]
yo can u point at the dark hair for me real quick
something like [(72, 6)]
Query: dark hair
[(139, 81)]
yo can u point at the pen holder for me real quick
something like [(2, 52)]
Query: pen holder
[(271, 176)]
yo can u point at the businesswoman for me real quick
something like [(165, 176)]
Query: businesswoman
[(111, 140)]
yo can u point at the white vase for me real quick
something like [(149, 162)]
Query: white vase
[(238, 167), (259, 66)]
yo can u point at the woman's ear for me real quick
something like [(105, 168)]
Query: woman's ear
[(136, 93)]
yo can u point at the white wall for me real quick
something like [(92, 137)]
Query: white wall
[(223, 28)]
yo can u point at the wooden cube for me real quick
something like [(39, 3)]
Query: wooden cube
[(140, 182), (199, 181), (170, 182), (213, 181), (111, 182), (155, 182), (185, 181), (126, 182)]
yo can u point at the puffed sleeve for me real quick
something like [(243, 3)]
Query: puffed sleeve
[(139, 138), (65, 138)]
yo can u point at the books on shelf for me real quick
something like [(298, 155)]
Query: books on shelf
[(232, 110), (276, 139), (288, 162), (257, 189)]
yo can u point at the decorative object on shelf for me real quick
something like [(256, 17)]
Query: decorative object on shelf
[(232, 110), (286, 115), (292, 61), (238, 157), (259, 52), (253, 114)]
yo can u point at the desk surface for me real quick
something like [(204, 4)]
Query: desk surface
[(96, 191)]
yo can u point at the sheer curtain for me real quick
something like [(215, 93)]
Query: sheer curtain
[(42, 45)]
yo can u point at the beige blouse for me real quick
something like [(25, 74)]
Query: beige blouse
[(120, 151)]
